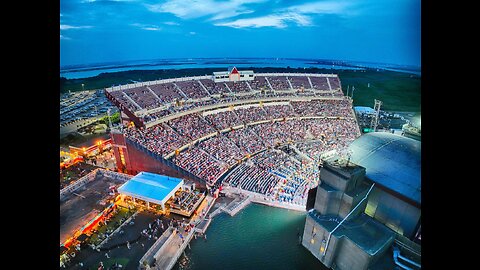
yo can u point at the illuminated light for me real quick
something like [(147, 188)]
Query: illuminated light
[(312, 241), (322, 249)]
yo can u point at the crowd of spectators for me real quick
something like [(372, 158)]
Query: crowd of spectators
[(191, 126), (334, 82), (320, 83), (250, 177), (167, 92), (299, 82), (313, 149), (279, 176), (223, 120), (201, 164), (280, 132), (238, 87), (156, 115), (143, 97), (192, 89), (336, 108), (159, 139), (251, 114), (246, 140), (212, 157), (279, 111), (221, 148), (120, 96), (259, 83), (279, 82), (186, 200)]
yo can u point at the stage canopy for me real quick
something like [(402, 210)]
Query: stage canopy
[(151, 187)]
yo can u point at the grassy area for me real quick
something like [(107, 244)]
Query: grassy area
[(115, 118), (112, 224), (398, 91)]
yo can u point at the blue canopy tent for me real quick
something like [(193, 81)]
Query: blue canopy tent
[(152, 188)]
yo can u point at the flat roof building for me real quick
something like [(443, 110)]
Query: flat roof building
[(151, 188)]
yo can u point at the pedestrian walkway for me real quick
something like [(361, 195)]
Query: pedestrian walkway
[(168, 254)]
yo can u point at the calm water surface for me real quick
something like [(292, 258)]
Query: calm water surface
[(258, 237)]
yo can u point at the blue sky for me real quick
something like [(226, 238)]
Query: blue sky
[(95, 31)]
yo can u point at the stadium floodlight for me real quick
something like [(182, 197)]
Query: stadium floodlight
[(109, 120)]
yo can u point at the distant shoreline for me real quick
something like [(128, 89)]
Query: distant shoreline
[(91, 70)]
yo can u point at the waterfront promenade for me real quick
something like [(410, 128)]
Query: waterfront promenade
[(168, 253)]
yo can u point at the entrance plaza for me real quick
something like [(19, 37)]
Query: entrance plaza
[(121, 217)]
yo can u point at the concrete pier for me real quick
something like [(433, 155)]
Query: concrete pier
[(171, 246)]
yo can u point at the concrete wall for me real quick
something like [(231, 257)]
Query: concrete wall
[(356, 179), (342, 180), (353, 258), (327, 201), (332, 179), (118, 141), (140, 161), (317, 235), (349, 201)]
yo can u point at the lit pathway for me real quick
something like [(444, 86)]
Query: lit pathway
[(168, 254)]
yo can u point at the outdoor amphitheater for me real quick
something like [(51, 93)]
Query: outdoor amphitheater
[(262, 133)]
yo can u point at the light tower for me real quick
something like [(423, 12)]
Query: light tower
[(109, 120), (374, 123)]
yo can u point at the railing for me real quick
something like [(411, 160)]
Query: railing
[(78, 183), (140, 84), (154, 249), (243, 102), (90, 177), (179, 252)]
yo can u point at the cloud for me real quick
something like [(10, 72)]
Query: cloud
[(324, 7), (192, 33), (67, 27), (152, 28), (106, 1), (148, 27), (199, 8), (300, 15), (64, 37), (275, 20), (171, 23)]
